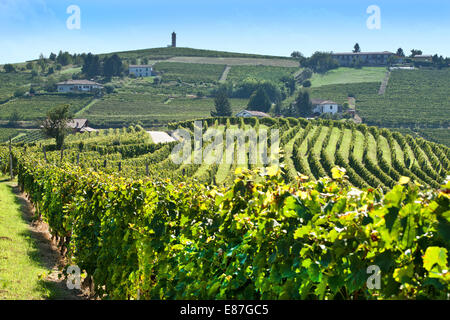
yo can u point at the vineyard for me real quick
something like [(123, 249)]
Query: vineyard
[(189, 72), (33, 108), (372, 157), (413, 97), (347, 197)]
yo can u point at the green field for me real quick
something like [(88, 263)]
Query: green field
[(349, 75), (189, 72), (33, 108), (239, 73)]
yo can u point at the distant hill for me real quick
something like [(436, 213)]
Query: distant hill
[(170, 52)]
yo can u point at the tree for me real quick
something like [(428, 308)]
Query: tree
[(259, 101), (400, 52), (223, 107), (321, 62), (277, 109), (296, 54), (52, 56), (55, 126), (9, 68), (356, 48), (303, 105), (91, 66), (112, 66), (415, 52), (14, 118), (64, 58)]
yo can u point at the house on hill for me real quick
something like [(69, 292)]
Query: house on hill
[(249, 114), (78, 86), (346, 59), (80, 125), (141, 70), (325, 106)]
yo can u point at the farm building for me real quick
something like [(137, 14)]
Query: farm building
[(80, 125), (325, 106), (366, 58), (78, 86), (249, 114), (141, 70), (423, 58)]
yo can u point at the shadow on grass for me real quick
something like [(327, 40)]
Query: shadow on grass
[(44, 255)]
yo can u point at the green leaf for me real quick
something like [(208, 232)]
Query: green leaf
[(302, 231), (404, 180), (435, 255), (404, 274)]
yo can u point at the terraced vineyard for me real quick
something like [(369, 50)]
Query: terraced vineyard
[(372, 157)]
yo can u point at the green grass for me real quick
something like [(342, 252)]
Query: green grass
[(33, 108), (239, 73), (349, 75), (20, 265)]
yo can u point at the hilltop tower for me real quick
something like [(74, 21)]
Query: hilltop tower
[(174, 40)]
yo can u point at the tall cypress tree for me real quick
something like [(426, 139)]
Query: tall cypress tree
[(259, 101), (222, 104)]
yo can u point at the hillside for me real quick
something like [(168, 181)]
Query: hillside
[(415, 99), (170, 52)]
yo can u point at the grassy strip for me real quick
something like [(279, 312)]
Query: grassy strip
[(20, 264)]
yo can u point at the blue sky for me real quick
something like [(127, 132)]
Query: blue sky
[(31, 27)]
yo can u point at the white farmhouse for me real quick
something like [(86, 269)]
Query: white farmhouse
[(325, 106), (78, 86), (141, 70)]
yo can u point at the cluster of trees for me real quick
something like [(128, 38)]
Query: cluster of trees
[(319, 62), (108, 67), (302, 106)]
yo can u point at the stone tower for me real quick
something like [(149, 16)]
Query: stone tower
[(174, 40)]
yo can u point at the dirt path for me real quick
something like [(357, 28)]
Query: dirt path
[(384, 84), (225, 73), (48, 252)]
